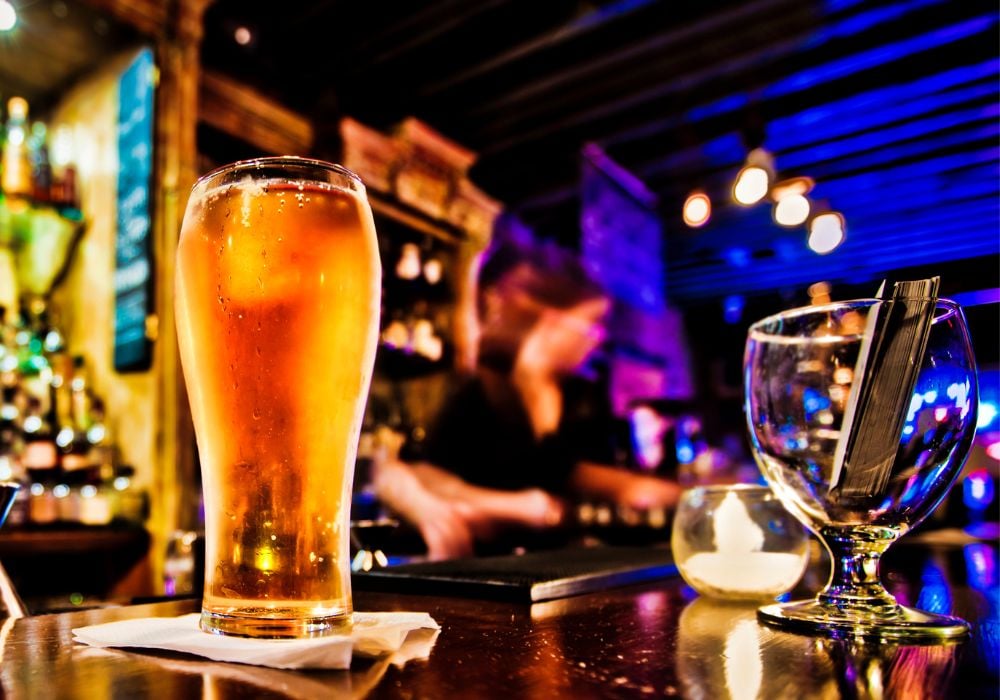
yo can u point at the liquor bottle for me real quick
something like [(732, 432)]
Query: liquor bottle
[(70, 429), (16, 177), (63, 170), (41, 462), (41, 168), (80, 396)]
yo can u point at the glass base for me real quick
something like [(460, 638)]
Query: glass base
[(902, 624), (275, 627)]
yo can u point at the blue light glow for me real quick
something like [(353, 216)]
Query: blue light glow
[(935, 596), (978, 490), (867, 20), (685, 451), (987, 415), (881, 55), (732, 308), (813, 402)]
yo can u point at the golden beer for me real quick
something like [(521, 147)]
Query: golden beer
[(278, 292)]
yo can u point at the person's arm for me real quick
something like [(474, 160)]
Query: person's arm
[(623, 487), (487, 509), (441, 524)]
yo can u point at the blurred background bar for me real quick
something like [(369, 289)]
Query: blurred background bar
[(707, 164)]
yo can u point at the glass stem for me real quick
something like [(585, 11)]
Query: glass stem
[(854, 581)]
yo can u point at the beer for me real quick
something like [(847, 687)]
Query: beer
[(278, 291)]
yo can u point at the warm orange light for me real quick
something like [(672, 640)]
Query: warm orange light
[(754, 179), (791, 210), (697, 209), (242, 36), (8, 16), (751, 185), (791, 205), (826, 232)]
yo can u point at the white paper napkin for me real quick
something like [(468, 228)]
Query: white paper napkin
[(373, 634)]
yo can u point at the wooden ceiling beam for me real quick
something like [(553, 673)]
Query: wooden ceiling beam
[(527, 98), (242, 112), (150, 17), (577, 27)]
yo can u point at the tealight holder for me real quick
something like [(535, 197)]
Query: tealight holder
[(737, 542)]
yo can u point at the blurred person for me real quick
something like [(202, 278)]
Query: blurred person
[(522, 433)]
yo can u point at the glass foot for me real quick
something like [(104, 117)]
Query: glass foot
[(903, 624), (269, 625)]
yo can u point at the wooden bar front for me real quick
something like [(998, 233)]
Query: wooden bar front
[(651, 640)]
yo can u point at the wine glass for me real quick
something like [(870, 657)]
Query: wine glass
[(798, 370)]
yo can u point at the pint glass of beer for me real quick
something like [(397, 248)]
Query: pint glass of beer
[(277, 304)]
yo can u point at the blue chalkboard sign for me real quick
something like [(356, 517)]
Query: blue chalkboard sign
[(133, 253)]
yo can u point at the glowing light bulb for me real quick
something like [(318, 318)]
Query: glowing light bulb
[(408, 267), (697, 209), (8, 16), (826, 232), (433, 270), (791, 210), (751, 185), (242, 36)]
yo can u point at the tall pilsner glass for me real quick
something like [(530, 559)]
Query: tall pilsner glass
[(278, 290)]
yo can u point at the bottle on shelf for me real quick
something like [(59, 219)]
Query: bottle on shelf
[(53, 435), (15, 180), (63, 192), (41, 464), (41, 168)]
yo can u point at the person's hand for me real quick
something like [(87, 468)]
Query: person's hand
[(441, 524), (643, 492), (638, 491), (444, 530), (488, 512)]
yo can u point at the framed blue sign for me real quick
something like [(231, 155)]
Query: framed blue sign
[(133, 249)]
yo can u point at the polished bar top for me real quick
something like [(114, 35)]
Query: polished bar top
[(652, 640)]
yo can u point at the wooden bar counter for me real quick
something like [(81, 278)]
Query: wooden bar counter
[(651, 640)]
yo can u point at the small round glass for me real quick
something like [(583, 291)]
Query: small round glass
[(737, 542)]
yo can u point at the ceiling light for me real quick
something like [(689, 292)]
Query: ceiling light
[(753, 180), (8, 16), (791, 206), (826, 232), (433, 270), (409, 267), (697, 209), (751, 185), (792, 210)]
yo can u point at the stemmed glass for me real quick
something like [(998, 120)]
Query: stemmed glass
[(798, 370)]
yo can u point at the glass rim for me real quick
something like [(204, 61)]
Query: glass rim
[(725, 488), (272, 161), (826, 308)]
